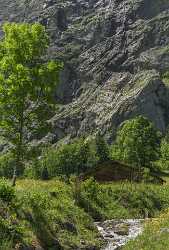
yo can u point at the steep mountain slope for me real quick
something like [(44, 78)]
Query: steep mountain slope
[(115, 53)]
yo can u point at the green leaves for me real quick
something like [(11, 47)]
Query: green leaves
[(102, 149), (67, 159), (25, 42), (137, 143), (163, 162), (7, 193), (24, 77)]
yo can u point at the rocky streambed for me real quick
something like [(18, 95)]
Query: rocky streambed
[(118, 232)]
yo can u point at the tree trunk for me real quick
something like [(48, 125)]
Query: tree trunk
[(14, 178), (19, 148)]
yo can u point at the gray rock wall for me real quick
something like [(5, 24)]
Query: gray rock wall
[(115, 52)]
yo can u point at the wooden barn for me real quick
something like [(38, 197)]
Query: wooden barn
[(116, 171)]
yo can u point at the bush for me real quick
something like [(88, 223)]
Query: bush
[(7, 193), (138, 201), (10, 228), (73, 158), (6, 244), (163, 162), (98, 202), (7, 164), (127, 200), (52, 217)]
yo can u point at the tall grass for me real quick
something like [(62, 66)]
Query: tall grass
[(155, 235)]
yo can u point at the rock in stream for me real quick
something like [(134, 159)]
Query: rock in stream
[(118, 232)]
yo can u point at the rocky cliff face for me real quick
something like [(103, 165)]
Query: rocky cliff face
[(115, 53)]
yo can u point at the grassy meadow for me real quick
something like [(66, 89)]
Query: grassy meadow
[(58, 215)]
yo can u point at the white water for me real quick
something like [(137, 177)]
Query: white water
[(115, 238)]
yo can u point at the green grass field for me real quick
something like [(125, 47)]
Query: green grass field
[(53, 212), (45, 214)]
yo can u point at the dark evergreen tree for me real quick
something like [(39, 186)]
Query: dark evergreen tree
[(102, 148)]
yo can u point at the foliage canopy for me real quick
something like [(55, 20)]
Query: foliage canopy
[(137, 143), (25, 78)]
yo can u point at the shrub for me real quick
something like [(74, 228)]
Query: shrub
[(163, 162), (10, 230), (98, 202), (121, 200), (7, 164), (7, 193), (6, 244), (53, 218), (74, 158), (140, 199)]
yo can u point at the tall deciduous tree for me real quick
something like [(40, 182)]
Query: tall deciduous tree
[(25, 78), (137, 143)]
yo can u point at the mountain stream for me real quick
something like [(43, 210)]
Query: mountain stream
[(118, 232)]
